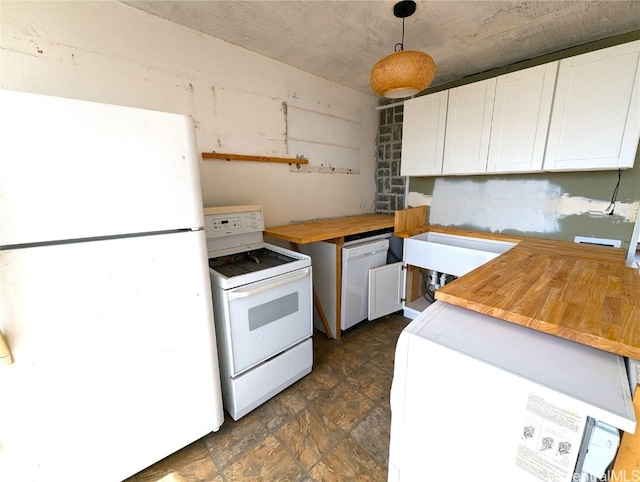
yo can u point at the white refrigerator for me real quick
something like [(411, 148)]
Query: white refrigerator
[(105, 301)]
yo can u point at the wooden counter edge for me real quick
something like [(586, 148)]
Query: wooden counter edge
[(415, 231), (321, 230), (628, 459), (509, 238), (287, 237), (584, 338), (408, 233)]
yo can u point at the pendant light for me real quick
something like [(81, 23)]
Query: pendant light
[(405, 72)]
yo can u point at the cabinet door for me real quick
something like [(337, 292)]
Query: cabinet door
[(107, 337), (468, 128), (595, 121), (423, 135), (386, 285), (521, 115)]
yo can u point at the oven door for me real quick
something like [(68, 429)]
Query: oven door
[(267, 317)]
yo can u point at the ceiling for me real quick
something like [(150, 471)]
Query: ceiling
[(341, 40)]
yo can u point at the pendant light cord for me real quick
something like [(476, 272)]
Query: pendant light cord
[(401, 44)]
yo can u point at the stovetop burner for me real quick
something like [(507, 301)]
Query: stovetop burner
[(248, 262)]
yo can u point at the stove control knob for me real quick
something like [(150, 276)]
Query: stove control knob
[(254, 225), (253, 215)]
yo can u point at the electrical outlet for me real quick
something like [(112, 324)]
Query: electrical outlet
[(614, 243)]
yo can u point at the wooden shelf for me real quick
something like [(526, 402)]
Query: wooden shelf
[(246, 157)]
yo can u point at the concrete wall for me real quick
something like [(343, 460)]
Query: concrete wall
[(549, 205), (554, 206), (109, 52)]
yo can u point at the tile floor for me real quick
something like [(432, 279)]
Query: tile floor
[(333, 425)]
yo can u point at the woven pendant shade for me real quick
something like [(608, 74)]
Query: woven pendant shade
[(402, 74)]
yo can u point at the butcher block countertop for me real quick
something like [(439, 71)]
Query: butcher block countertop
[(330, 229), (333, 230), (575, 291)]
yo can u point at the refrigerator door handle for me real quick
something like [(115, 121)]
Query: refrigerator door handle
[(5, 353)]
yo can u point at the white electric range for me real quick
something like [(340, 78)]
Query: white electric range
[(263, 308)]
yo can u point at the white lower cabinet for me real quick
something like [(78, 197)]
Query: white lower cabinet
[(386, 290), (395, 287), (595, 122), (468, 390), (401, 285)]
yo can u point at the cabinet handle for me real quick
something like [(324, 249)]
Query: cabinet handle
[(5, 353)]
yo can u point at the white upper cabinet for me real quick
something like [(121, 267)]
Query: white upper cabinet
[(579, 113), (595, 121), (468, 128), (423, 129), (520, 123)]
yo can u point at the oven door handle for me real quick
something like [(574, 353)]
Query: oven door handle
[(235, 295)]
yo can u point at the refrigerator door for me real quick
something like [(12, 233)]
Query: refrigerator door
[(74, 169), (115, 361)]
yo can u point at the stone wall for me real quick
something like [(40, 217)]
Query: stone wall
[(390, 186)]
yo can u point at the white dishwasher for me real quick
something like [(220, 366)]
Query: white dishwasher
[(357, 259)]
